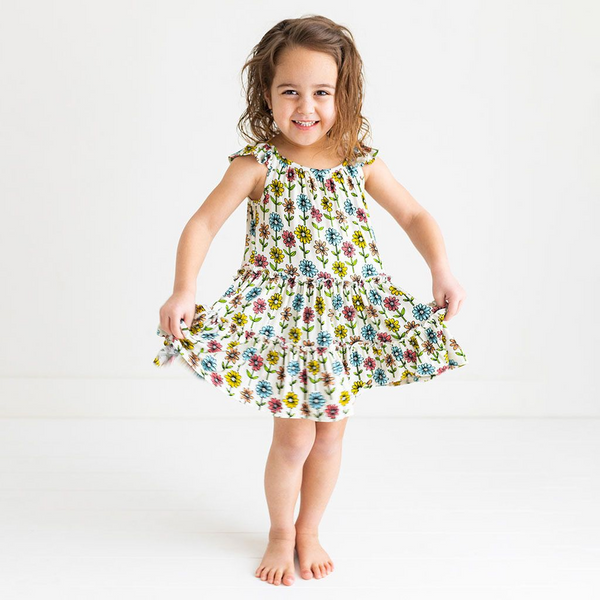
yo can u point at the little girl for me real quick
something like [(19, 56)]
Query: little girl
[(311, 318)]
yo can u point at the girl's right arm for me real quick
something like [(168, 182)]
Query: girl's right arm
[(240, 179)]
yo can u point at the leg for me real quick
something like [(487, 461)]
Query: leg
[(292, 442), (319, 477)]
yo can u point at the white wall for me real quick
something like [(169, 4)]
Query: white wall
[(116, 121)]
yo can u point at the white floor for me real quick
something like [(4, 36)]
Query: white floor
[(424, 509)]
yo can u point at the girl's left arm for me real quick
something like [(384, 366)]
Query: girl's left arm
[(422, 230)]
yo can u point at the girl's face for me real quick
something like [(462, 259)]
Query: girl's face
[(303, 89)]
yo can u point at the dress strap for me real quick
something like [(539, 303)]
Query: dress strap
[(262, 155)]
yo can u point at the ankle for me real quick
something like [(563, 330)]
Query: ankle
[(306, 529), (282, 533)]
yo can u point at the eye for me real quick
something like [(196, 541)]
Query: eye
[(286, 91)]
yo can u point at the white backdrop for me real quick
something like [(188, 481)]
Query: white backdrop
[(117, 119)]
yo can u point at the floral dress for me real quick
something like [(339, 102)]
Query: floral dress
[(311, 319)]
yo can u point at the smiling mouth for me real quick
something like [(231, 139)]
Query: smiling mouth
[(305, 123)]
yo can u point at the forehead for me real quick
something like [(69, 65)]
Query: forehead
[(300, 65)]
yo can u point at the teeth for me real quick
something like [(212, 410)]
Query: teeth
[(306, 123)]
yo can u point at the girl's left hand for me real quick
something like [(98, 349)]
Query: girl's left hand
[(448, 292)]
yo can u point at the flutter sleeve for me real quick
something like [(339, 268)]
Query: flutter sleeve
[(262, 154)]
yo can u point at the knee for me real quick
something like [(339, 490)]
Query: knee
[(327, 445), (294, 448)]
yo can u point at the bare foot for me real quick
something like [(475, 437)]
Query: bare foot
[(277, 564), (313, 559)]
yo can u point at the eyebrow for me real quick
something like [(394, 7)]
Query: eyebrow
[(320, 85)]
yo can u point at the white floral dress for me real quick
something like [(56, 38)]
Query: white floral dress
[(311, 319)]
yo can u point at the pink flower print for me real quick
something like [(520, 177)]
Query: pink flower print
[(384, 337), (256, 362), (330, 185), (303, 377), (308, 314), (362, 215), (259, 306), (275, 405), (332, 410), (410, 356), (348, 249), (370, 363), (214, 346), (260, 260), (266, 198), (216, 379), (349, 313), (291, 174), (289, 239), (316, 214), (391, 303)]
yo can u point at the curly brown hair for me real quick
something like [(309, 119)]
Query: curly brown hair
[(313, 32)]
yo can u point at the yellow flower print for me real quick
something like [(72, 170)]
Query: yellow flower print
[(295, 334), (320, 304), (273, 357), (339, 268), (240, 319), (341, 332), (276, 255), (326, 204), (303, 234), (291, 400), (277, 188), (357, 302), (275, 301), (233, 378), (358, 239), (395, 291), (344, 398), (393, 325), (358, 385), (337, 176), (313, 367)]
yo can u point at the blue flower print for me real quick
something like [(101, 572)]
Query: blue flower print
[(324, 339), (298, 302), (425, 369), (369, 271), (349, 207), (248, 353), (308, 268), (293, 368), (337, 301), (337, 367), (275, 222), (379, 377), (421, 312), (268, 331), (209, 364), (375, 297), (333, 237), (303, 202), (264, 388), (316, 399), (356, 359), (253, 293), (368, 332), (320, 174)]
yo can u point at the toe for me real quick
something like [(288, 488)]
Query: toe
[(277, 577), (317, 571), (306, 573), (288, 579)]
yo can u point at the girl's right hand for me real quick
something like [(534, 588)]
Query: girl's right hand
[(181, 305)]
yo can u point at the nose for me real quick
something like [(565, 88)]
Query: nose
[(305, 107)]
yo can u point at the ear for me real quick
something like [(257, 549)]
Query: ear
[(267, 97)]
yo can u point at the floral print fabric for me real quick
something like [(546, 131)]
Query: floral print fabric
[(311, 319)]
